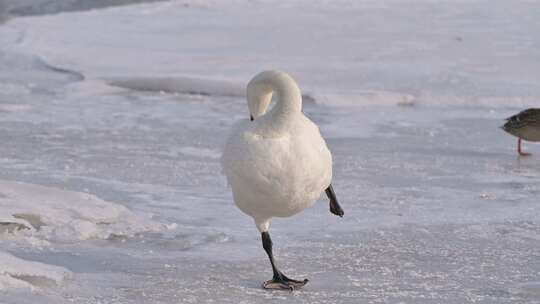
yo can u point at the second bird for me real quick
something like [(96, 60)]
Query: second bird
[(525, 126)]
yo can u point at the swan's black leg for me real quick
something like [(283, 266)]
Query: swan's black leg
[(335, 208), (279, 280)]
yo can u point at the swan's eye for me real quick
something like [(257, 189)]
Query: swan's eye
[(251, 117)]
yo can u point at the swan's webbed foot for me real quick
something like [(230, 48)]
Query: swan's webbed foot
[(282, 282), (279, 281), (335, 208)]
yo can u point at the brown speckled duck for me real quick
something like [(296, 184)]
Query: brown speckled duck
[(525, 126)]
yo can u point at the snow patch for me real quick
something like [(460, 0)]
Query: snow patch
[(13, 107), (16, 273), (57, 215), (366, 98), (182, 85), (91, 87), (200, 152), (189, 85)]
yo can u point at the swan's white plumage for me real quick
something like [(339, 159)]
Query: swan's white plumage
[(278, 164)]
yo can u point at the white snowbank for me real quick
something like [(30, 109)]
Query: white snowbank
[(38, 215), (179, 84), (213, 87), (366, 98), (200, 152), (16, 273), (57, 215)]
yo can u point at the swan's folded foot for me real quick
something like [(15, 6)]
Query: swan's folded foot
[(335, 208), (282, 282)]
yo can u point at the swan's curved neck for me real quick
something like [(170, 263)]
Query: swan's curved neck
[(288, 97)]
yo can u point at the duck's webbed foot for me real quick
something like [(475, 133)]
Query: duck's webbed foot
[(335, 208), (520, 151), (281, 281)]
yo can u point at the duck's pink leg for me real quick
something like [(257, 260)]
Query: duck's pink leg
[(521, 153)]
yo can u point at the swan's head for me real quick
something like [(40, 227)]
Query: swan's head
[(261, 88), (259, 95)]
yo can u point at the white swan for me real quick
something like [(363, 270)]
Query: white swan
[(277, 163)]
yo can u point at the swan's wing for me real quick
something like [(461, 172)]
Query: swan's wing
[(233, 147), (295, 163), (254, 165), (321, 157)]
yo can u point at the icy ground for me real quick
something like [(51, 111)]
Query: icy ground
[(112, 195)]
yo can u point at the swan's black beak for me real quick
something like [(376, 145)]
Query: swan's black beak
[(251, 117)]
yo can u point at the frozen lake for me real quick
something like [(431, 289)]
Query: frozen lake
[(438, 207)]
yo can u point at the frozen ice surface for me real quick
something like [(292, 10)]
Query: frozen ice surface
[(438, 207)]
